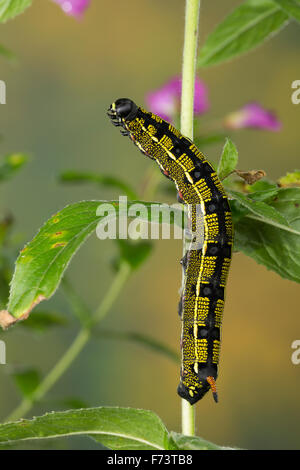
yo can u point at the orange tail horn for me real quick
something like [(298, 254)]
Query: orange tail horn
[(213, 387)]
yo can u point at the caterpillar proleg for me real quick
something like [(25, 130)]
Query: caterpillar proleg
[(206, 268)]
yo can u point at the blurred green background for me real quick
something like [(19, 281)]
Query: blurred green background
[(57, 95)]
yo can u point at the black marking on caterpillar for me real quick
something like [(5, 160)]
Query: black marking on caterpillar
[(202, 301)]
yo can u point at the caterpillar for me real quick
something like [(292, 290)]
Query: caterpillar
[(206, 268)]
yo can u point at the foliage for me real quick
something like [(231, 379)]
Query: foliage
[(11, 8), (115, 428), (249, 25), (267, 228)]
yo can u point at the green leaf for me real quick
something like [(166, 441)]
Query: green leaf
[(99, 180), (115, 428), (262, 189), (134, 252), (263, 212), (278, 250), (10, 164), (290, 179), (42, 321), (194, 443), (262, 185), (41, 264), (228, 161), (26, 381), (11, 8), (292, 7), (142, 340), (265, 195), (243, 29)]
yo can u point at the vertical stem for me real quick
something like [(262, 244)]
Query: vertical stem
[(189, 66), (113, 292), (192, 11)]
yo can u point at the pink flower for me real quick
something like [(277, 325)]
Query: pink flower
[(252, 115), (165, 102), (73, 7)]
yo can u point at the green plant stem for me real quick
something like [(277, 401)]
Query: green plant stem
[(188, 418), (151, 184), (116, 287), (76, 347), (192, 11)]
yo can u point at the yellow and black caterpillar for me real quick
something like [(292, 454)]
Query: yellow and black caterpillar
[(206, 268)]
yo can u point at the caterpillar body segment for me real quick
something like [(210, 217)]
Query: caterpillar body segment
[(206, 266)]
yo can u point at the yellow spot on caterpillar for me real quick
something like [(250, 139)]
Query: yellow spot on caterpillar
[(202, 309), (153, 116), (174, 131), (219, 312), (185, 161), (202, 349), (209, 266), (190, 179), (224, 273), (151, 129), (166, 142), (216, 351), (228, 224), (205, 191), (212, 227), (191, 393)]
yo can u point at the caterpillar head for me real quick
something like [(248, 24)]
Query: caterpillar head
[(122, 110), (194, 393)]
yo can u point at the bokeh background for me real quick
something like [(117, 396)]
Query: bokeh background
[(57, 95)]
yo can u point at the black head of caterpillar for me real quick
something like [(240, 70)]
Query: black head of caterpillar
[(121, 111), (193, 387)]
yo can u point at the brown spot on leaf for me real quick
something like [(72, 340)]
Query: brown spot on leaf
[(61, 233), (251, 176), (7, 320), (57, 245)]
